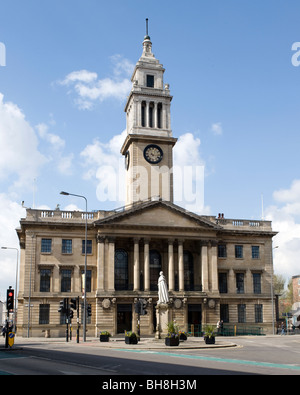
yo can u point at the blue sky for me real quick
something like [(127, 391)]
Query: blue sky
[(235, 105)]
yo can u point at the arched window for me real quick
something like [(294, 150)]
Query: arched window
[(188, 271), (155, 268), (121, 270)]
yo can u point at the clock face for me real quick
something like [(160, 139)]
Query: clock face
[(153, 154)]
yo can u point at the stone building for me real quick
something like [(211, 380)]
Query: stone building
[(216, 268)]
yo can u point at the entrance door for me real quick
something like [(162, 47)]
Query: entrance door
[(195, 318), (124, 318)]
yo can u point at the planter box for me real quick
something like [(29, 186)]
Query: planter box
[(172, 341), (104, 338), (131, 340), (182, 337), (209, 340)]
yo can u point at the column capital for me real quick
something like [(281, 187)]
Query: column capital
[(213, 243), (100, 238)]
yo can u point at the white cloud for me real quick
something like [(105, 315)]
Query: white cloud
[(109, 179), (285, 217), (10, 215), (57, 142), (217, 129), (189, 178), (89, 88), (56, 145), (20, 159)]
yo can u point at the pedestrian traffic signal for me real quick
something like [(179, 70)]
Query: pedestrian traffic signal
[(10, 299), (89, 310), (63, 306), (71, 314), (143, 306), (137, 307), (73, 303)]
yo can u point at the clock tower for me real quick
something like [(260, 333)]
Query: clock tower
[(149, 143)]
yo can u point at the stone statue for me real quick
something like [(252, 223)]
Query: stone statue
[(163, 295)]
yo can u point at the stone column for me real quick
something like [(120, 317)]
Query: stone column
[(155, 115), (136, 266), (146, 265), (100, 262), (180, 265), (111, 264), (147, 114), (214, 266), (171, 265), (204, 266)]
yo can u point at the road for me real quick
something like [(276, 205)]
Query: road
[(267, 355)]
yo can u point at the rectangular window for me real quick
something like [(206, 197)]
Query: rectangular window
[(222, 253), (63, 318), (257, 283), (150, 81), (46, 246), (66, 276), (66, 246), (241, 313), (240, 283), (88, 280), (44, 313), (224, 312), (239, 252), (45, 276), (89, 246), (255, 252), (258, 313), (223, 283)]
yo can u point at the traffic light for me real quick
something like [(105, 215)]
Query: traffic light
[(137, 307), (71, 314), (89, 310), (10, 299), (73, 303), (143, 303), (63, 306)]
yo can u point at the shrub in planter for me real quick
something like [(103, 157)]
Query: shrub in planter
[(131, 337), (183, 335), (172, 341), (209, 340), (209, 334), (172, 338), (104, 336)]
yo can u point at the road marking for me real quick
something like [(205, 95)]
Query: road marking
[(216, 359)]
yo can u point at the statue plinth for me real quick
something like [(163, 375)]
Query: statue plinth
[(162, 319)]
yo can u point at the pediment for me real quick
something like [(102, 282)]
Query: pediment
[(158, 214)]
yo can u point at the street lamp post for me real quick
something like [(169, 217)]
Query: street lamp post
[(16, 286), (85, 262)]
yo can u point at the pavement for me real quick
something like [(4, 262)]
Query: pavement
[(147, 343)]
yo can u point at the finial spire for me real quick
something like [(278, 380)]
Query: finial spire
[(147, 36)]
